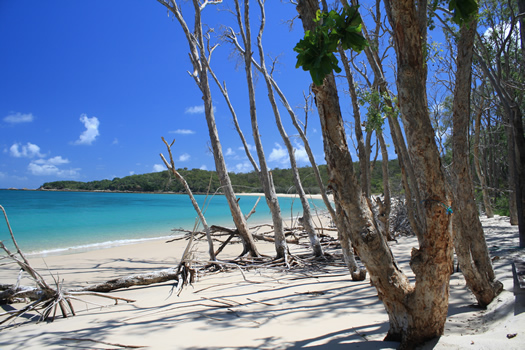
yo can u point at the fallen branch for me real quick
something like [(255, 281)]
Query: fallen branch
[(170, 274), (47, 301)]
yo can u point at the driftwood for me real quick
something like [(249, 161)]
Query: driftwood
[(133, 280), (46, 300), (399, 219)]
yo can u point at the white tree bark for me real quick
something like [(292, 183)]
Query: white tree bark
[(265, 174), (200, 75)]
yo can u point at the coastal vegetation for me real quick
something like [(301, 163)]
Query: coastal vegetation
[(202, 181)]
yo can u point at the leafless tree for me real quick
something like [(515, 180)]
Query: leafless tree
[(200, 62)]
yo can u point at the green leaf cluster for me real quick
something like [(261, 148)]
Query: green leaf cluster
[(315, 52), (462, 10), (378, 107)]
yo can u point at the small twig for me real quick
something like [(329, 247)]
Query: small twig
[(105, 343), (102, 295), (253, 209)]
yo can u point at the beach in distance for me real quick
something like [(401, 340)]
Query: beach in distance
[(310, 306)]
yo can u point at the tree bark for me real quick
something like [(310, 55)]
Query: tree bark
[(412, 197), (519, 159), (356, 272), (200, 75), (432, 263), (386, 203), (363, 152), (511, 152), (469, 239), (307, 216), (417, 313), (265, 175), (515, 117), (477, 160)]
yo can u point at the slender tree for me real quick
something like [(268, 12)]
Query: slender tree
[(243, 20), (412, 197), (477, 159), (416, 312), (200, 62), (469, 239), (307, 216), (498, 57)]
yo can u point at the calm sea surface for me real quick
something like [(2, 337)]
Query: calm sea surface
[(62, 222)]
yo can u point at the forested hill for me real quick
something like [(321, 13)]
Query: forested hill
[(199, 180)]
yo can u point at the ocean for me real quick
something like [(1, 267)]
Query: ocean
[(55, 222)]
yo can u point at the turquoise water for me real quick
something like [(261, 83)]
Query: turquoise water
[(60, 222)]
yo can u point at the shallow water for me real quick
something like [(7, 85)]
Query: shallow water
[(51, 222)]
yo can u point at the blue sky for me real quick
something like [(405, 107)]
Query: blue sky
[(87, 89)]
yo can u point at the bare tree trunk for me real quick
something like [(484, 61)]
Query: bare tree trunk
[(519, 144), (432, 263), (357, 273), (515, 117), (386, 203), (363, 151), (265, 176), (513, 207), (307, 217), (412, 197), (469, 239), (417, 313), (481, 176), (200, 65)]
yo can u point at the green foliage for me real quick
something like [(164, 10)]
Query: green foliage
[(198, 181), (378, 107), (501, 205), (315, 52), (463, 10)]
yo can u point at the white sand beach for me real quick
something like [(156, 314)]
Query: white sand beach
[(264, 308)]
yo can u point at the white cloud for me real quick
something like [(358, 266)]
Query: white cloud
[(58, 160), (245, 167), (278, 154), (250, 148), (203, 167), (196, 110), (43, 167), (158, 167), (131, 173), (300, 154), (90, 134), (184, 157), (183, 132), (28, 150), (17, 118), (115, 141), (229, 152)]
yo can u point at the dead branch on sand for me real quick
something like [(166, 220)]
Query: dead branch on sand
[(45, 300)]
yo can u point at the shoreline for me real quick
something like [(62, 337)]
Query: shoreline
[(261, 308), (149, 235)]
